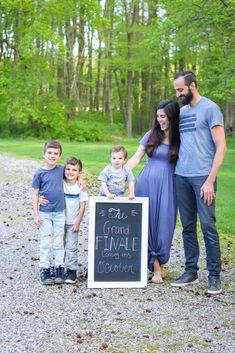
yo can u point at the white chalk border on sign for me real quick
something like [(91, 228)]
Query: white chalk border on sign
[(91, 243)]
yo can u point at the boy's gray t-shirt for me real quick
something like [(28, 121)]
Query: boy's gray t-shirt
[(197, 148), (50, 185), (116, 181)]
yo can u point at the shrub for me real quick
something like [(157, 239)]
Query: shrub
[(94, 127)]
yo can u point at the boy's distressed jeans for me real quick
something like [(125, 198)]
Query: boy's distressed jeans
[(52, 238)]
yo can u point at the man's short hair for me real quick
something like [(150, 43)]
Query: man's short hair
[(188, 76)]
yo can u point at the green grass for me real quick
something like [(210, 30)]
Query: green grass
[(93, 155), (96, 155)]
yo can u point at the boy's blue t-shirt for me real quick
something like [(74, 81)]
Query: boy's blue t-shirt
[(50, 185), (197, 148)]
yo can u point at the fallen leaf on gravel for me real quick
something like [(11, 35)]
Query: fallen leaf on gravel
[(104, 345), (26, 312)]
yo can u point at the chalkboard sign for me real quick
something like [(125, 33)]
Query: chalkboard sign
[(118, 240)]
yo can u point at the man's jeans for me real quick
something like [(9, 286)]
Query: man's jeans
[(190, 203), (52, 238), (71, 248)]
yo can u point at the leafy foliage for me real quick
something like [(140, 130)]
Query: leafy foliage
[(59, 61)]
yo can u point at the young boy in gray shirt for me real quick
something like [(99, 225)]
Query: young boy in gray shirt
[(114, 176)]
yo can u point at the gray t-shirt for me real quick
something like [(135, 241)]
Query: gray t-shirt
[(50, 185), (116, 180), (197, 148)]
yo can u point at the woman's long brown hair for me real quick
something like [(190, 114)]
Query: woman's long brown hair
[(171, 109)]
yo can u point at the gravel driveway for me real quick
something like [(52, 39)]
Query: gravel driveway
[(73, 318)]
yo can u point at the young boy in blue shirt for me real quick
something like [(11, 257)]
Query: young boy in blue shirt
[(50, 218)]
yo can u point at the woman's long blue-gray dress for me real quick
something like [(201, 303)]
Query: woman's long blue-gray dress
[(157, 182)]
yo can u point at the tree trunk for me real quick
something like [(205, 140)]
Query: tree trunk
[(108, 38), (89, 73), (121, 100), (131, 15), (128, 105), (70, 35), (136, 108), (230, 116), (108, 99), (81, 55), (97, 90)]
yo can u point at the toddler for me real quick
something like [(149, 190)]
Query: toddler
[(114, 176)]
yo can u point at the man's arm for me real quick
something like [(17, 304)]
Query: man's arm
[(207, 189)]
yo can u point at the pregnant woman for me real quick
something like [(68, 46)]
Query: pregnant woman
[(157, 182)]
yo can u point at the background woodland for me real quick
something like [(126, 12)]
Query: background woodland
[(88, 70)]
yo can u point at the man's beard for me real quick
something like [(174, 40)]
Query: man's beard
[(187, 99)]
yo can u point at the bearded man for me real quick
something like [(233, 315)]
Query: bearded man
[(202, 151)]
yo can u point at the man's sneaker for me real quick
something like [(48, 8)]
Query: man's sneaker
[(71, 276), (45, 276), (185, 279), (214, 285), (59, 275)]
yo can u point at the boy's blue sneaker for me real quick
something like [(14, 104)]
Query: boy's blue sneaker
[(45, 276), (71, 276), (59, 275)]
